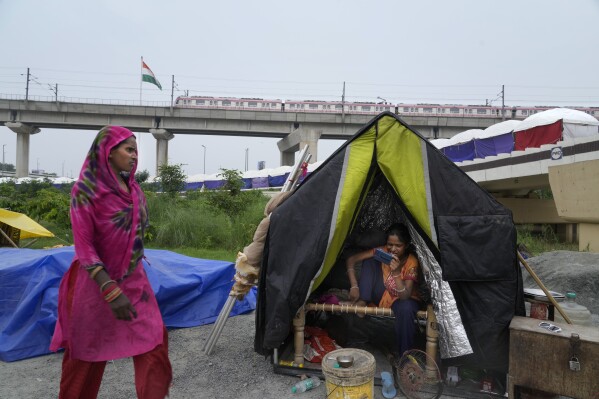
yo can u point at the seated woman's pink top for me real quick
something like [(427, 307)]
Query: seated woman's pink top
[(108, 225)]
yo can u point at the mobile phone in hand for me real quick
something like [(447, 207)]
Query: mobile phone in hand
[(382, 256)]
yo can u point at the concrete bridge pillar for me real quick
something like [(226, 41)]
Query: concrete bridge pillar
[(23, 132), (295, 141), (575, 191), (162, 137)]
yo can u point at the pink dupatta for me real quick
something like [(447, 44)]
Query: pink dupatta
[(108, 225)]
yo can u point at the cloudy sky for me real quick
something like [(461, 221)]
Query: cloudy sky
[(459, 52)]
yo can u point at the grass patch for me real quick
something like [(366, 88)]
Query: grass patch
[(62, 236), (542, 239)]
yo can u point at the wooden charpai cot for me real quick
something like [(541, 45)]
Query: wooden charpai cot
[(428, 316)]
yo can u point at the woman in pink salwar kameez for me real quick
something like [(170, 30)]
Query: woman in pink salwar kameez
[(106, 307)]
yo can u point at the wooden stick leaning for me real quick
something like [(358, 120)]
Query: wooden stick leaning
[(243, 283), (545, 290), (8, 238)]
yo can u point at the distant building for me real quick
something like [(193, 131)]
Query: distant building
[(261, 165)]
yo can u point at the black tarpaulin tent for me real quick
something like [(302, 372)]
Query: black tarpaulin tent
[(386, 172)]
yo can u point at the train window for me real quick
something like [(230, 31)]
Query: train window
[(481, 111), (338, 106), (427, 109), (199, 102), (252, 104), (406, 109), (313, 106), (365, 108), (524, 112), (454, 110), (226, 103)]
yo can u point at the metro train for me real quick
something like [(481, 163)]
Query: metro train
[(337, 107)]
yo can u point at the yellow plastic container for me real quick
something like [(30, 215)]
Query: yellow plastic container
[(354, 382)]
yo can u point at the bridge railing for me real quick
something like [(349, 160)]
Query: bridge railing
[(101, 101)]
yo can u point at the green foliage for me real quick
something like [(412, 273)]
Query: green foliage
[(15, 197), (229, 198), (233, 181), (543, 193), (542, 238), (9, 197), (192, 222), (172, 179), (7, 167), (142, 177), (51, 205)]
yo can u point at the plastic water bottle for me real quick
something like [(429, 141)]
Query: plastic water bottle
[(577, 313), (306, 385), (389, 390)]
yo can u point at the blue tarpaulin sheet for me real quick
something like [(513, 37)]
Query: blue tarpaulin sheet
[(494, 145), (460, 152), (190, 292)]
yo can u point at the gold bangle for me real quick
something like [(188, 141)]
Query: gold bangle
[(95, 272), (104, 284)]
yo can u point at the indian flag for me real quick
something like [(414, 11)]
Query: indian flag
[(148, 76)]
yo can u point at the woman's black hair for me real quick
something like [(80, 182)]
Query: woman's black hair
[(401, 231)]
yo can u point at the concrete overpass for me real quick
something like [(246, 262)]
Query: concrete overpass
[(295, 129), (569, 168)]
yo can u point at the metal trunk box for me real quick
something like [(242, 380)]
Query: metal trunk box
[(540, 358)]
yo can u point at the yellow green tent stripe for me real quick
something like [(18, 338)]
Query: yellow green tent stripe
[(358, 158), (399, 157)]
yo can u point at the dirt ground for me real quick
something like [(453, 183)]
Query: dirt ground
[(234, 370)]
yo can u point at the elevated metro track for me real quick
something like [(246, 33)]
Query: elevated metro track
[(274, 124)]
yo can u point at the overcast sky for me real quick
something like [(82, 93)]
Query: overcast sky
[(545, 52)]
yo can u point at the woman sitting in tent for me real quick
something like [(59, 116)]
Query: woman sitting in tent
[(391, 285)]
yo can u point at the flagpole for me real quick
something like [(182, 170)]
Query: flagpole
[(141, 78)]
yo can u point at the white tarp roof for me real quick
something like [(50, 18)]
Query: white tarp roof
[(200, 177), (441, 143), (498, 129), (281, 170), (465, 136), (553, 115), (62, 180)]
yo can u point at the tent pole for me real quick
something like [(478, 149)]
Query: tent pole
[(8, 238), (226, 310), (540, 284), (219, 324)]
